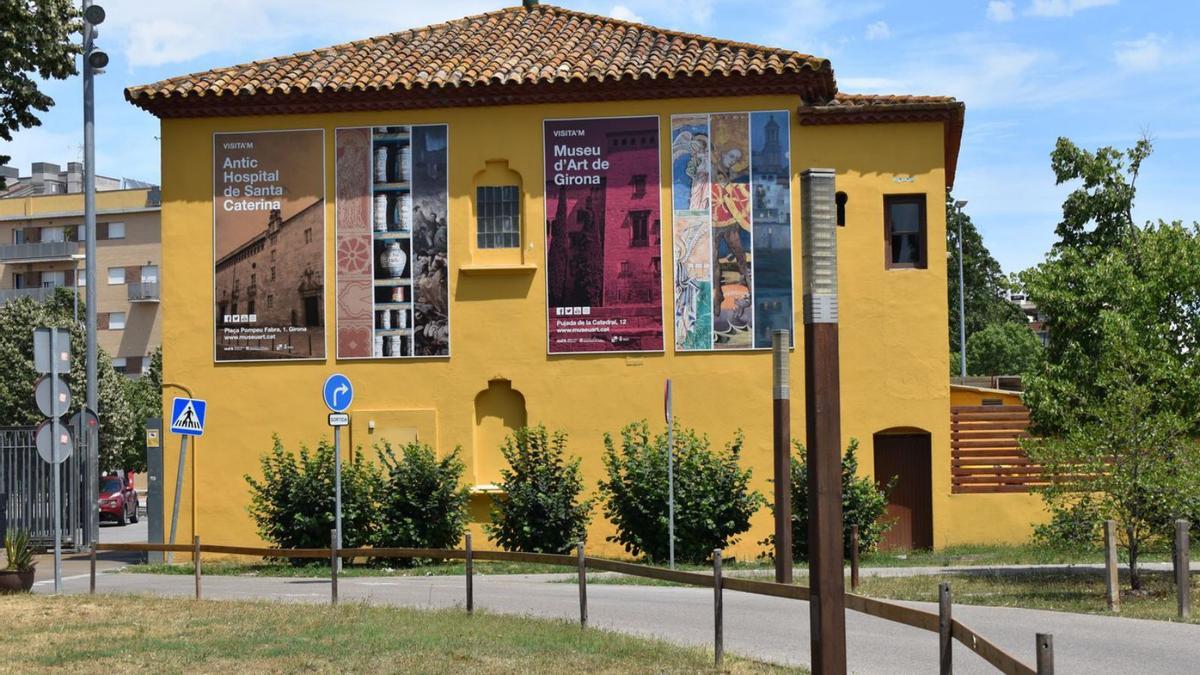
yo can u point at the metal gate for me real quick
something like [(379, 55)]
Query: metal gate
[(27, 485)]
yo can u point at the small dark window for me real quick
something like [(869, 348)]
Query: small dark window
[(639, 185), (993, 401), (308, 235), (904, 231), (841, 208), (498, 219), (640, 224)]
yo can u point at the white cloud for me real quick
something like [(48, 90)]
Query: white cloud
[(1142, 55), (879, 30), (1000, 11), (625, 14), (1056, 8)]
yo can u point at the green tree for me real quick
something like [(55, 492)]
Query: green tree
[(144, 395), (1117, 397), (18, 318), (422, 501), (713, 499), (1003, 349), (863, 504), (35, 42), (540, 509), (985, 283)]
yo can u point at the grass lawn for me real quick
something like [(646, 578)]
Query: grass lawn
[(90, 633), (1077, 591)]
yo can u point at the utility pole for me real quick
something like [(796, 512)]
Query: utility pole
[(93, 60), (962, 303), (782, 412), (822, 400)]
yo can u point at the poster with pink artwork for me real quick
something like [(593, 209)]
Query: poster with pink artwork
[(603, 235)]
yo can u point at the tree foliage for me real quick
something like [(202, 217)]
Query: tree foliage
[(540, 509), (144, 395), (1117, 399), (863, 504), (293, 503), (35, 42), (1003, 349), (713, 499), (422, 501), (985, 283), (18, 318)]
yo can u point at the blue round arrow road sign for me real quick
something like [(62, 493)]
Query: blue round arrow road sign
[(338, 392)]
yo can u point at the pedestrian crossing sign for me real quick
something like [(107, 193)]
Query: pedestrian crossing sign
[(187, 416)]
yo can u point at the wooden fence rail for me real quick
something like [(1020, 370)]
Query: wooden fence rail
[(985, 450), (889, 611)]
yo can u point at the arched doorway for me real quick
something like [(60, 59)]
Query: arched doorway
[(906, 455), (499, 410)]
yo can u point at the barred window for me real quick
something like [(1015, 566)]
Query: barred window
[(498, 223)]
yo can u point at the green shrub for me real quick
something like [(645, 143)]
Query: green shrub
[(17, 551), (293, 504), (713, 499), (863, 504), (1074, 525), (540, 509), (422, 502)]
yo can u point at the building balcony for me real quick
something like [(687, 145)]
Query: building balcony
[(46, 251), (142, 291), (37, 294)]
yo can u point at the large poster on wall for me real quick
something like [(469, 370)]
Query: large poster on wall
[(393, 294), (269, 245), (603, 224), (732, 241)]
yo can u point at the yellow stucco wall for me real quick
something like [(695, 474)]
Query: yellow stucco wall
[(893, 346)]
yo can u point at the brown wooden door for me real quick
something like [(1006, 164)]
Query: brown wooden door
[(910, 503)]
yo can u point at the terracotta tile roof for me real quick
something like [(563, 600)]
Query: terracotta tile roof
[(888, 108), (517, 46)]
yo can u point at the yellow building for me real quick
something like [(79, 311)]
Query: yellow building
[(42, 249), (538, 216)]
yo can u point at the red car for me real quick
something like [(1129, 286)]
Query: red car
[(118, 498)]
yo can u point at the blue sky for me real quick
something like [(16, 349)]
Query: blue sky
[(1099, 71)]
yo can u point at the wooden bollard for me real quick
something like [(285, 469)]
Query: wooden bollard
[(945, 631), (333, 567), (196, 563), (1045, 654), (470, 564), (92, 578), (1183, 582), (582, 587), (854, 557), (1112, 584), (718, 611)]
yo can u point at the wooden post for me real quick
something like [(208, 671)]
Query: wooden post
[(196, 563), (718, 611), (470, 576), (1112, 583), (582, 587), (822, 397), (782, 417), (333, 567), (92, 578), (1183, 583), (945, 631), (1045, 654), (854, 557)]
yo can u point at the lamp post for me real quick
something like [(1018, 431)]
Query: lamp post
[(94, 60), (962, 305)]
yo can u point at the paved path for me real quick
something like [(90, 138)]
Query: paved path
[(755, 626)]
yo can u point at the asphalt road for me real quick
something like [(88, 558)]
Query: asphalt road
[(755, 626)]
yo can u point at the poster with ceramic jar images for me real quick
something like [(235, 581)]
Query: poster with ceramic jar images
[(269, 245), (392, 273)]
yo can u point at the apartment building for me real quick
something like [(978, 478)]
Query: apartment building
[(42, 248)]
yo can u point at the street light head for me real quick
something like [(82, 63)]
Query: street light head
[(93, 14), (960, 204), (97, 59)]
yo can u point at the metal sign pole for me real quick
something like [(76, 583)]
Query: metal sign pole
[(337, 490), (178, 491), (55, 455), (670, 478)]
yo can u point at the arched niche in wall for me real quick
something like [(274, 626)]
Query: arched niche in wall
[(499, 410), (499, 227)]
